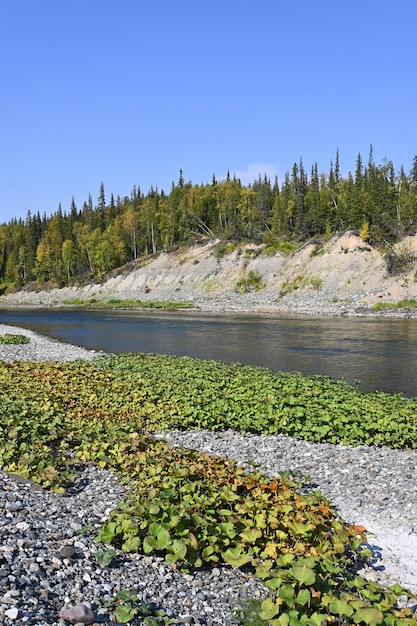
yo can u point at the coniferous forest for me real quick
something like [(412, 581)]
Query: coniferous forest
[(82, 244)]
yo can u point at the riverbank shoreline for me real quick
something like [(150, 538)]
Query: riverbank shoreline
[(339, 277), (294, 306)]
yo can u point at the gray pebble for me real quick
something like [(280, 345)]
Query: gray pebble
[(40, 578)]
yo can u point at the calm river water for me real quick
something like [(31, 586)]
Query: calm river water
[(379, 353)]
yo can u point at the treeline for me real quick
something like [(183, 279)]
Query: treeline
[(83, 244)]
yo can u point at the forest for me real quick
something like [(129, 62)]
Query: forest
[(85, 244)]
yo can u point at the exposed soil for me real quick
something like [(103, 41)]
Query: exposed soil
[(343, 276)]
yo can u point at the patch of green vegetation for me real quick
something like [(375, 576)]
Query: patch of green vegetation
[(9, 287), (115, 303), (250, 253), (335, 299), (74, 301), (11, 339), (401, 304), (316, 282), (350, 280), (127, 606), (363, 249), (398, 261), (118, 303), (223, 248), (319, 250), (5, 287), (252, 281), (249, 613), (274, 244), (197, 510), (288, 286)]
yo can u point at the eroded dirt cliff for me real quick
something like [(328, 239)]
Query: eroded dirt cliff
[(343, 275)]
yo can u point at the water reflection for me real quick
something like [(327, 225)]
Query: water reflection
[(378, 352)]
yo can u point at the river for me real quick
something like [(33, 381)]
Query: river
[(374, 353)]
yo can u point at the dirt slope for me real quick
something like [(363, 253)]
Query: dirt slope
[(341, 276)]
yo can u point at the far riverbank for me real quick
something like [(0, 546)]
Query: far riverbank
[(340, 277)]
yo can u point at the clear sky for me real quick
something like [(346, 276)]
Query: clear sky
[(128, 92)]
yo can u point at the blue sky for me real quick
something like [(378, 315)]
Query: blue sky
[(127, 92)]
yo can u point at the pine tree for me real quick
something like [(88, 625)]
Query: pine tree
[(337, 168), (359, 171), (413, 173)]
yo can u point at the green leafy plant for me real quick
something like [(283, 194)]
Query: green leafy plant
[(12, 339), (123, 606), (196, 510), (85, 530), (105, 557), (126, 607), (252, 281)]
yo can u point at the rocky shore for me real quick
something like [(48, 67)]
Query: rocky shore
[(50, 569)]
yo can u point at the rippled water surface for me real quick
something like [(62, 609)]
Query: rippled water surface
[(380, 353)]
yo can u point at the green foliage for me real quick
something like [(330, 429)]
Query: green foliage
[(249, 613), (115, 303), (273, 244), (188, 393), (11, 339), (74, 301), (126, 607), (288, 286), (85, 530), (364, 232), (223, 248), (401, 304), (105, 557), (398, 261), (90, 244), (319, 250), (252, 281), (194, 509), (316, 282)]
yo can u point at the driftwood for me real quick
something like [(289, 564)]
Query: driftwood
[(307, 243)]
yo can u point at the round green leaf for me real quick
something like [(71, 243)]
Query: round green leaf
[(303, 574)]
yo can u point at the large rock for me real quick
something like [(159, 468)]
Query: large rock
[(78, 614)]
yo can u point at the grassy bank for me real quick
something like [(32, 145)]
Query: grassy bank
[(117, 303), (194, 509)]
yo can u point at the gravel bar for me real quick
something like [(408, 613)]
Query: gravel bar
[(40, 348)]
